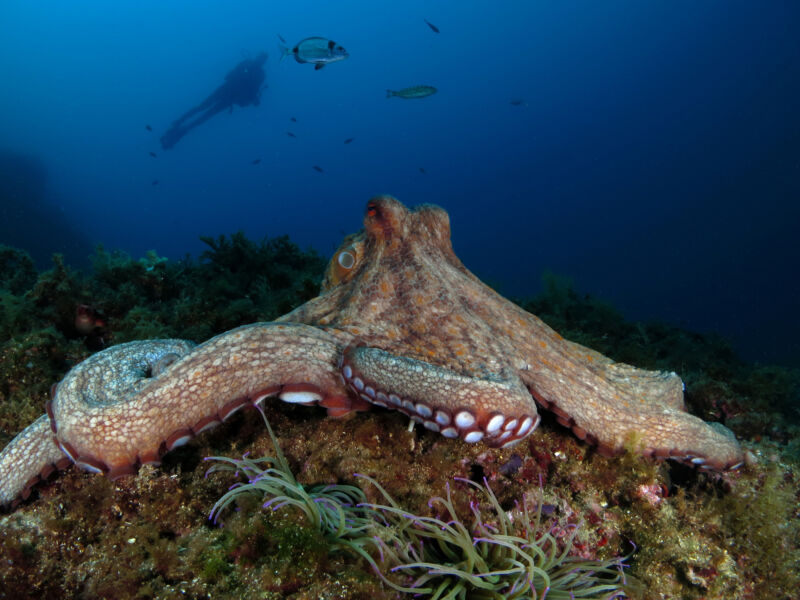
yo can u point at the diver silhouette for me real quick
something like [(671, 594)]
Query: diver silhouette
[(242, 87)]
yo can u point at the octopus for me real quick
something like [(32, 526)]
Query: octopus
[(399, 323)]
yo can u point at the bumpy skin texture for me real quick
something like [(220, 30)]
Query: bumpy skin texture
[(400, 323)]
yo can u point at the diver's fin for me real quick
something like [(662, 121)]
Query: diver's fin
[(318, 66), (171, 137)]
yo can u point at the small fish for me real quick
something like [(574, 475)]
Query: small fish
[(148, 128), (290, 134), (432, 26), (155, 182), (255, 162), (422, 170), (348, 140), (318, 169), (417, 91), (317, 51), (293, 120), (517, 102), (153, 154)]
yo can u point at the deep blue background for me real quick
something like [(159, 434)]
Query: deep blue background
[(655, 158)]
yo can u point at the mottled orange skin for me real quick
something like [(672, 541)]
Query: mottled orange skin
[(401, 323), (408, 293)]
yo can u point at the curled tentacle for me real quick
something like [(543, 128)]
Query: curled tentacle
[(131, 403)]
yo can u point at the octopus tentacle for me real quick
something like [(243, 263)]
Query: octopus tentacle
[(99, 393), (296, 362), (131, 403), (611, 404), (109, 377), (497, 410), (29, 458)]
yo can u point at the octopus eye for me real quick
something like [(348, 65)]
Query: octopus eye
[(372, 209), (341, 267), (346, 260)]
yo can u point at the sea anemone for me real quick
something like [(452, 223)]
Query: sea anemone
[(339, 511), (507, 556), (515, 557)]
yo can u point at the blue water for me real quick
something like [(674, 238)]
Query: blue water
[(654, 157)]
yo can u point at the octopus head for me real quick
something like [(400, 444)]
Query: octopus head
[(391, 231)]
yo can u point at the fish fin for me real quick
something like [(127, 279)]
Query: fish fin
[(284, 51), (318, 66)]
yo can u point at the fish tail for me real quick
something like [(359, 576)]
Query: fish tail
[(284, 51), (389, 93)]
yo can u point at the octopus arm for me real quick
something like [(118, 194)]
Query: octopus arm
[(613, 404), (28, 458), (131, 403), (497, 410)]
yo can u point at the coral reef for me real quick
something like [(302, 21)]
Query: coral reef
[(697, 535)]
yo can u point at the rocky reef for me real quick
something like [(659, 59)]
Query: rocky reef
[(686, 534)]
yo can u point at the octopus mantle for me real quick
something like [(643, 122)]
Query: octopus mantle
[(401, 324)]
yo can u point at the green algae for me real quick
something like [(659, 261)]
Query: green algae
[(761, 525)]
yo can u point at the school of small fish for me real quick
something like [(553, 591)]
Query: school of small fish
[(320, 51)]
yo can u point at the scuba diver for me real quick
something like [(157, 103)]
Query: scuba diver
[(242, 87)]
